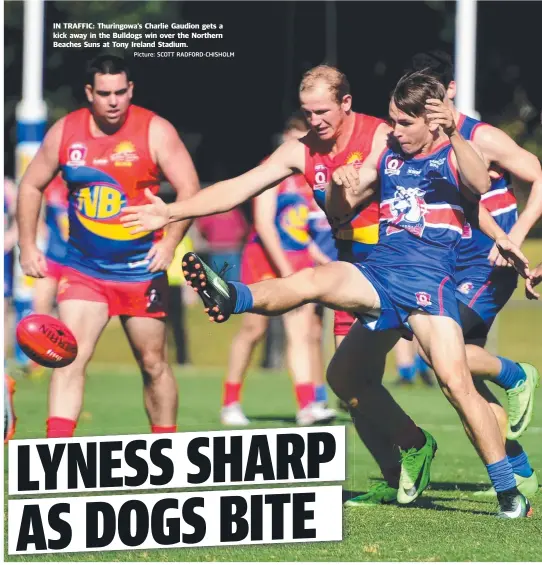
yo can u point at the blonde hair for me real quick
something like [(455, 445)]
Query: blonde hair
[(337, 82)]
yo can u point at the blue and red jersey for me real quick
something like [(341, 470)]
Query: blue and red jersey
[(421, 213), (500, 202), (56, 219), (292, 215), (358, 236), (103, 175)]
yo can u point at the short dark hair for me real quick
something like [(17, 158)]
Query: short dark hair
[(412, 91), (106, 65), (436, 63)]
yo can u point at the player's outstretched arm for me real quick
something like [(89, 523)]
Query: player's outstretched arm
[(40, 172), (501, 149), (469, 161), (219, 197)]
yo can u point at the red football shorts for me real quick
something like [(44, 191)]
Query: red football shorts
[(256, 265), (54, 269), (342, 322), (143, 299)]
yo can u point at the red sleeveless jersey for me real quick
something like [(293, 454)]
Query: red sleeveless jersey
[(363, 228), (103, 175)]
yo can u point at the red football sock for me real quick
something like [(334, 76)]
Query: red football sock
[(305, 394), (163, 429), (232, 392), (60, 427)]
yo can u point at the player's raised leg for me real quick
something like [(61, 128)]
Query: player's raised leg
[(338, 285), (250, 333), (441, 339), (86, 319), (147, 337)]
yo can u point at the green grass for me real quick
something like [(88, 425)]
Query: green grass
[(446, 524)]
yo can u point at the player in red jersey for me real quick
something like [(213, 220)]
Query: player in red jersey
[(279, 245), (108, 154)]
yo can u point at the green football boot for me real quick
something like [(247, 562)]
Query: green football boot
[(379, 493), (415, 470), (520, 402), (528, 486)]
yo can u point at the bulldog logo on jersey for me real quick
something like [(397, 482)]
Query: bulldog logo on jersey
[(321, 177), (393, 165), (76, 155), (408, 209)]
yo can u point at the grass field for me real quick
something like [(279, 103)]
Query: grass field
[(446, 524)]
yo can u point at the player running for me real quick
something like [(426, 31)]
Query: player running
[(422, 221), (108, 154), (278, 245)]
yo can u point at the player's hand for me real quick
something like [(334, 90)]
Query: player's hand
[(160, 256), (530, 283), (440, 113), (33, 262), (146, 217), (347, 176), (496, 259), (512, 254)]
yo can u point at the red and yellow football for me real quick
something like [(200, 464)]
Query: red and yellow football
[(46, 340)]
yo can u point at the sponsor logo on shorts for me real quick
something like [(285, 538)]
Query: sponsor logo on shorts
[(154, 299), (423, 299), (321, 177), (465, 288), (76, 155), (393, 165)]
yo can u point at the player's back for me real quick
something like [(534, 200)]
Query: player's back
[(421, 213), (104, 174), (500, 201), (359, 234)]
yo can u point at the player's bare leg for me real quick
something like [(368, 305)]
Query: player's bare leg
[(251, 332), (297, 325), (317, 347), (147, 337), (442, 340), (86, 320), (355, 375), (44, 295)]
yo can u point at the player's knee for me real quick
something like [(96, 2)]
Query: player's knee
[(252, 333), (152, 364), (457, 385)]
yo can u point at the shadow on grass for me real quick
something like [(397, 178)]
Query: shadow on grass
[(425, 502)]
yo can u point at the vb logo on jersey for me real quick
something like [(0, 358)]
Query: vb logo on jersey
[(98, 210), (321, 177), (76, 155), (294, 221), (408, 209), (393, 165)]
